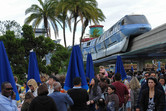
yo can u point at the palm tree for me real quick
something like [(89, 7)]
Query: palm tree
[(45, 13), (79, 9), (62, 17), (94, 17)]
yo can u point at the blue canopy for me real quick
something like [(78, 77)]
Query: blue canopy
[(6, 73), (119, 68), (89, 67), (75, 69), (33, 70)]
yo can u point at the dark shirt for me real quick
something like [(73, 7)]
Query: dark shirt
[(42, 103), (113, 98), (159, 100), (25, 106), (145, 86), (80, 97)]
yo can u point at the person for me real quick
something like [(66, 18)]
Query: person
[(103, 84), (121, 91), (134, 93), (145, 86), (61, 99), (7, 98), (100, 105), (42, 102), (17, 85), (79, 96), (94, 93), (102, 71), (23, 91), (146, 75), (152, 98), (87, 80), (162, 82), (32, 84), (128, 104), (112, 100), (52, 79), (28, 98), (62, 80)]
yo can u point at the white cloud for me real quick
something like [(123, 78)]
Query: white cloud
[(154, 10)]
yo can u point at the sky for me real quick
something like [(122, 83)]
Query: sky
[(114, 10)]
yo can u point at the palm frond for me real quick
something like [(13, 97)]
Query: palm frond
[(33, 9), (31, 18)]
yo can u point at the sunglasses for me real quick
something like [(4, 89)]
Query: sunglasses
[(29, 85), (9, 89)]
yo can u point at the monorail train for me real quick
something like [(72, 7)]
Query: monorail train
[(116, 38)]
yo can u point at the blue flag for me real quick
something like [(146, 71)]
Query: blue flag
[(6, 73), (132, 69), (119, 68), (158, 66), (89, 67), (75, 69), (33, 70)]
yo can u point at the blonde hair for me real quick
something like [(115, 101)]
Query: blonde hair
[(101, 67), (33, 83), (134, 83)]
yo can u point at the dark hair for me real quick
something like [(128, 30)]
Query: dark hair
[(112, 87), (53, 77), (87, 79), (42, 90), (77, 81), (29, 97), (3, 85), (152, 78), (94, 87), (101, 104), (152, 72), (15, 78), (117, 76), (146, 73), (161, 77), (102, 79)]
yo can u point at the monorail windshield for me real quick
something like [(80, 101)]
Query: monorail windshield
[(135, 19)]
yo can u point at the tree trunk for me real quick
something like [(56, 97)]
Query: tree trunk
[(46, 25), (64, 36), (75, 24), (83, 31)]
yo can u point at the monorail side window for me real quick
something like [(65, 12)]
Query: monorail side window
[(88, 43), (123, 22)]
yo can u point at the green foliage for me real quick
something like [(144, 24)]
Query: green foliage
[(10, 26), (40, 45), (18, 50), (43, 13), (60, 59), (28, 39), (95, 33), (15, 52), (82, 10)]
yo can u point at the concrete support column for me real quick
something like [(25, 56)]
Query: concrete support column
[(140, 64)]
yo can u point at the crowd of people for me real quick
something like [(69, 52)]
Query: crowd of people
[(143, 91)]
